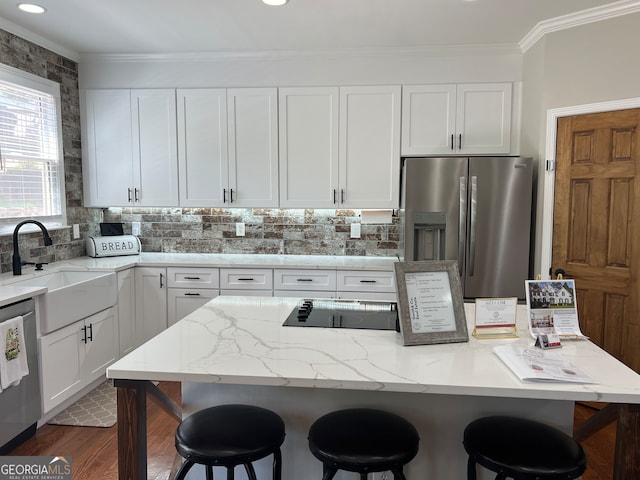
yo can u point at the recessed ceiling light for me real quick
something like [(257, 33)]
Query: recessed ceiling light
[(31, 8), (274, 3)]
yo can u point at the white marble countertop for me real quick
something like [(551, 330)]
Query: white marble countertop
[(241, 340), (15, 293), (114, 264)]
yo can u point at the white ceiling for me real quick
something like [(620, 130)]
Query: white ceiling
[(75, 27)]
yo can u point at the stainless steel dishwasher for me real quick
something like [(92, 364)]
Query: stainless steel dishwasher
[(20, 405)]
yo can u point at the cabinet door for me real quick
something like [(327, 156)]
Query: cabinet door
[(107, 162), (155, 147), (182, 301), (252, 115), (308, 129), (101, 347), (126, 311), (202, 147), (151, 302), (369, 147), (428, 119), (61, 367), (483, 119)]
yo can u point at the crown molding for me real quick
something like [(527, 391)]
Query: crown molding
[(38, 40), (432, 51), (591, 15)]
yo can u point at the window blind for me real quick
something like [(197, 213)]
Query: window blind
[(29, 153)]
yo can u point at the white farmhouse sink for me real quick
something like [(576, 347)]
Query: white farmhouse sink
[(72, 296)]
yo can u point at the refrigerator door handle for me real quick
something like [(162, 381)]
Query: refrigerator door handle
[(473, 224), (462, 222)]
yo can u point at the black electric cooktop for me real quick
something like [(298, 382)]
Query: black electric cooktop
[(330, 313)]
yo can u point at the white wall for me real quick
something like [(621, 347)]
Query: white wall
[(452, 65), (592, 63)]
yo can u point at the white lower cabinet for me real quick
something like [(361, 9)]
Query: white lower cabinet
[(366, 285), (304, 283), (189, 289), (151, 302), (74, 356), (181, 302), (246, 281), (127, 311)]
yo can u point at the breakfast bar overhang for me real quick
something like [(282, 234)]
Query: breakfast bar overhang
[(235, 349)]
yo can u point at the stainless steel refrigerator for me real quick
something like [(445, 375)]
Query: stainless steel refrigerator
[(476, 210)]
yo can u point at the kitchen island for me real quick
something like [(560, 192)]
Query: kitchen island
[(235, 349)]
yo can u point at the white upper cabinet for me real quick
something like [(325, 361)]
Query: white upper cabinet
[(228, 147), (253, 147), (202, 147), (456, 119), (129, 148), (369, 147), (339, 147), (308, 120), (155, 152), (107, 157)]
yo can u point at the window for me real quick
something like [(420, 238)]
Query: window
[(31, 167)]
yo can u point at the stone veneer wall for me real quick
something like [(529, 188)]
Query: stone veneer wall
[(24, 55), (274, 231), (189, 230)]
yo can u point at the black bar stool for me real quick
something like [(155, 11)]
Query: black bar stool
[(363, 440), (230, 435), (522, 449)]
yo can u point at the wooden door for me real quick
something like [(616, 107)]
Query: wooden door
[(597, 225)]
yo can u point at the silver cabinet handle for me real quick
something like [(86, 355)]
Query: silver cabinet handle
[(460, 141), (231, 195), (452, 141), (189, 294), (224, 195), (136, 197), (473, 224), (462, 223), (161, 280), (342, 195), (367, 281), (192, 278), (129, 195), (304, 280), (334, 195), (245, 279)]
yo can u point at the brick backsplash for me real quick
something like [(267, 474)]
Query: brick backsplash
[(189, 230), (275, 231)]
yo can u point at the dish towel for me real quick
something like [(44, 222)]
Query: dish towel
[(13, 356)]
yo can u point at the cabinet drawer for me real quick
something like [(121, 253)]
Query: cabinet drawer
[(304, 280), (366, 281), (193, 277), (246, 278), (183, 301)]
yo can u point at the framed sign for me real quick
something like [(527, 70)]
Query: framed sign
[(430, 303)]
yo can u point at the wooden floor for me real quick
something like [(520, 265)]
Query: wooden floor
[(94, 450)]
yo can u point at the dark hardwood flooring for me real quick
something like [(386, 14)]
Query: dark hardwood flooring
[(95, 457)]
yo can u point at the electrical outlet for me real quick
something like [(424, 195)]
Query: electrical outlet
[(355, 230), (239, 229), (135, 228), (76, 231)]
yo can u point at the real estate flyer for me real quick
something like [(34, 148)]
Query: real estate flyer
[(552, 308), (536, 365)]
